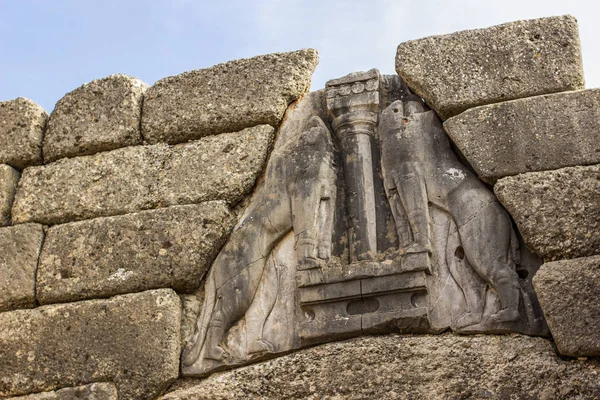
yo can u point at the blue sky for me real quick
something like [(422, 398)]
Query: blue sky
[(48, 48)]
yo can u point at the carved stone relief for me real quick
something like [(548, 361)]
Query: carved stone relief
[(366, 222)]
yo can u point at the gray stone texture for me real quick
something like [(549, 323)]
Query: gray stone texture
[(409, 367), (131, 340), (165, 248), (569, 292), (533, 134), (94, 391), (101, 115), (221, 167), (117, 182), (471, 68), (9, 178), (20, 247), (132, 179), (226, 97), (557, 212), (22, 124)]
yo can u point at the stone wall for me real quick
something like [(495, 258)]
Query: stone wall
[(117, 204)]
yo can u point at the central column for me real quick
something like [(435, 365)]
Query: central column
[(353, 106)]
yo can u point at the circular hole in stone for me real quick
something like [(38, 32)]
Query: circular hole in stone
[(418, 300), (523, 273), (309, 314), (362, 306), (459, 253)]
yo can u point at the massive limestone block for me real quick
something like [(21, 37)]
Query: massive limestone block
[(533, 134), (20, 248), (101, 115), (131, 340), (557, 212), (22, 124), (169, 247), (9, 178), (94, 391), (222, 167), (409, 367), (117, 182), (569, 292), (226, 97), (475, 67)]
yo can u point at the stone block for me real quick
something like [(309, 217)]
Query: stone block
[(130, 340), (9, 178), (94, 391), (101, 115), (569, 293), (22, 124), (221, 167), (533, 134), (471, 68), (20, 247), (132, 179), (226, 97), (112, 183), (164, 248), (557, 212), (408, 367)]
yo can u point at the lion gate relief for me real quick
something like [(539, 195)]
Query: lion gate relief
[(366, 222)]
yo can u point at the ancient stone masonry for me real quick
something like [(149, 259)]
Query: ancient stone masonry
[(472, 68), (227, 216), (366, 285), (101, 115)]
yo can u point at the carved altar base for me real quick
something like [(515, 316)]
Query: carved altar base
[(363, 297)]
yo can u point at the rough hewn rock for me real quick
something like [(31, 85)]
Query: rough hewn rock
[(191, 307), (222, 167), (94, 391), (22, 124), (117, 182), (557, 212), (131, 340), (226, 97), (132, 179), (410, 367), (569, 293), (165, 248), (20, 248), (9, 178), (534, 134), (101, 115), (475, 67)]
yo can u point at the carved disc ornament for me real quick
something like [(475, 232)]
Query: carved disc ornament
[(366, 222)]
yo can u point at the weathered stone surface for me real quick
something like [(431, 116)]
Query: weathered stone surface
[(191, 307), (9, 178), (20, 248), (132, 179), (226, 97), (94, 391), (475, 67), (101, 115), (298, 195), (534, 134), (117, 182), (22, 124), (131, 340), (569, 292), (409, 367), (222, 167), (557, 212), (170, 247)]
